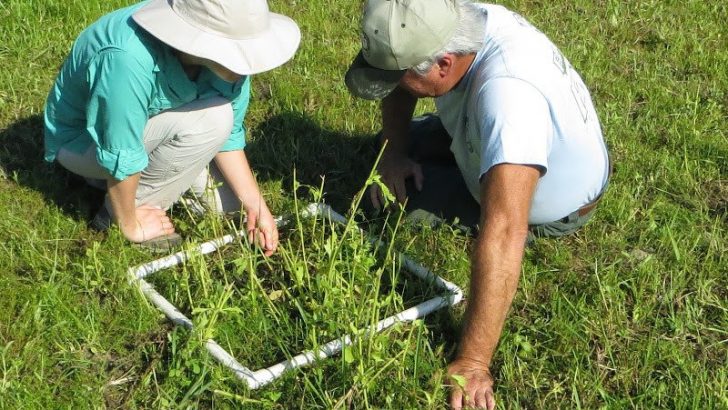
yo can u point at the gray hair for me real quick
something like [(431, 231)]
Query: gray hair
[(467, 38)]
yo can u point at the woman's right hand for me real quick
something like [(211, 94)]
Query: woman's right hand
[(150, 222)]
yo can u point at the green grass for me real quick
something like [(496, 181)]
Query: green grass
[(632, 311)]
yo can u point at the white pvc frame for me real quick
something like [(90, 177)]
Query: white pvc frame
[(258, 378)]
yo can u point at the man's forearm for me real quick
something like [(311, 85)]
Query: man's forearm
[(397, 109), (506, 192), (496, 266)]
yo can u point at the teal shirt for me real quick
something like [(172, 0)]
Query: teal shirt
[(116, 77)]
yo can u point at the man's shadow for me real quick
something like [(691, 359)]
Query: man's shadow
[(22, 163), (292, 141)]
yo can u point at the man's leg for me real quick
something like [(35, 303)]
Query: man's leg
[(444, 195), (430, 142), (564, 226)]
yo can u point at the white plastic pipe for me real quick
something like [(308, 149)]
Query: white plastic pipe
[(163, 304), (175, 259), (148, 268), (265, 376), (319, 209)]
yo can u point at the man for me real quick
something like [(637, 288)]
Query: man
[(151, 94), (526, 144)]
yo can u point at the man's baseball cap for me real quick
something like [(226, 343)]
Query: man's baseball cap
[(397, 35)]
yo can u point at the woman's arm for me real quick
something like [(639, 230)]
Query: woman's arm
[(138, 224), (261, 226)]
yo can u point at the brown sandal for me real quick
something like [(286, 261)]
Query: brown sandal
[(162, 243)]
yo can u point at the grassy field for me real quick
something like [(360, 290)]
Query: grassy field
[(631, 312)]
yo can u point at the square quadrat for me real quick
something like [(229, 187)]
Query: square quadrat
[(451, 295)]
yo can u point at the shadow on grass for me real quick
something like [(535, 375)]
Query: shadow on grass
[(280, 144), (291, 140), (21, 161)]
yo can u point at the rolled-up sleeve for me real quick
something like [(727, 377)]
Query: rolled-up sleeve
[(236, 141), (120, 90)]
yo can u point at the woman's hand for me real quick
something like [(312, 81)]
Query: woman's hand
[(261, 227)]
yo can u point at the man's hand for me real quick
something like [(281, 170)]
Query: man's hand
[(394, 166), (474, 389), (395, 169), (261, 228)]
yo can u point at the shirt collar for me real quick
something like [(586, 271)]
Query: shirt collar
[(178, 82), (208, 79)]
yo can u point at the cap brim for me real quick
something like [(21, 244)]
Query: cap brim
[(266, 51), (371, 83)]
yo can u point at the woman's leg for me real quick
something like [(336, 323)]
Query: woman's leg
[(181, 143), (212, 192), (84, 165)]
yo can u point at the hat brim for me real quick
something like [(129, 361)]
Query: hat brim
[(266, 51), (371, 83)]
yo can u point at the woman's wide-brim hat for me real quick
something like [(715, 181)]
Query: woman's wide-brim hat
[(241, 35)]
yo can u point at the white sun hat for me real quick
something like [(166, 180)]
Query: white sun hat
[(241, 35)]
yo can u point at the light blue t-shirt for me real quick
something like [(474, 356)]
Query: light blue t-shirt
[(116, 77), (521, 102)]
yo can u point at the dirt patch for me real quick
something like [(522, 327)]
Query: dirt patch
[(716, 194), (126, 372)]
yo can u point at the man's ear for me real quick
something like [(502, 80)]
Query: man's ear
[(444, 65)]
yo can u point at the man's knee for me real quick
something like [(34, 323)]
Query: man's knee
[(430, 141)]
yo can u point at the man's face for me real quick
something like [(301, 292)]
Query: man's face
[(422, 86)]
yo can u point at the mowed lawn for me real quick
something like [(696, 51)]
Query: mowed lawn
[(630, 312)]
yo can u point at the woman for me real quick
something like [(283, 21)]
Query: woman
[(153, 93)]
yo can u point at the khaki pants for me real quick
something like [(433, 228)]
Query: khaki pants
[(181, 143)]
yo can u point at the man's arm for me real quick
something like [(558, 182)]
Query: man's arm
[(506, 193), (395, 165), (261, 226)]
